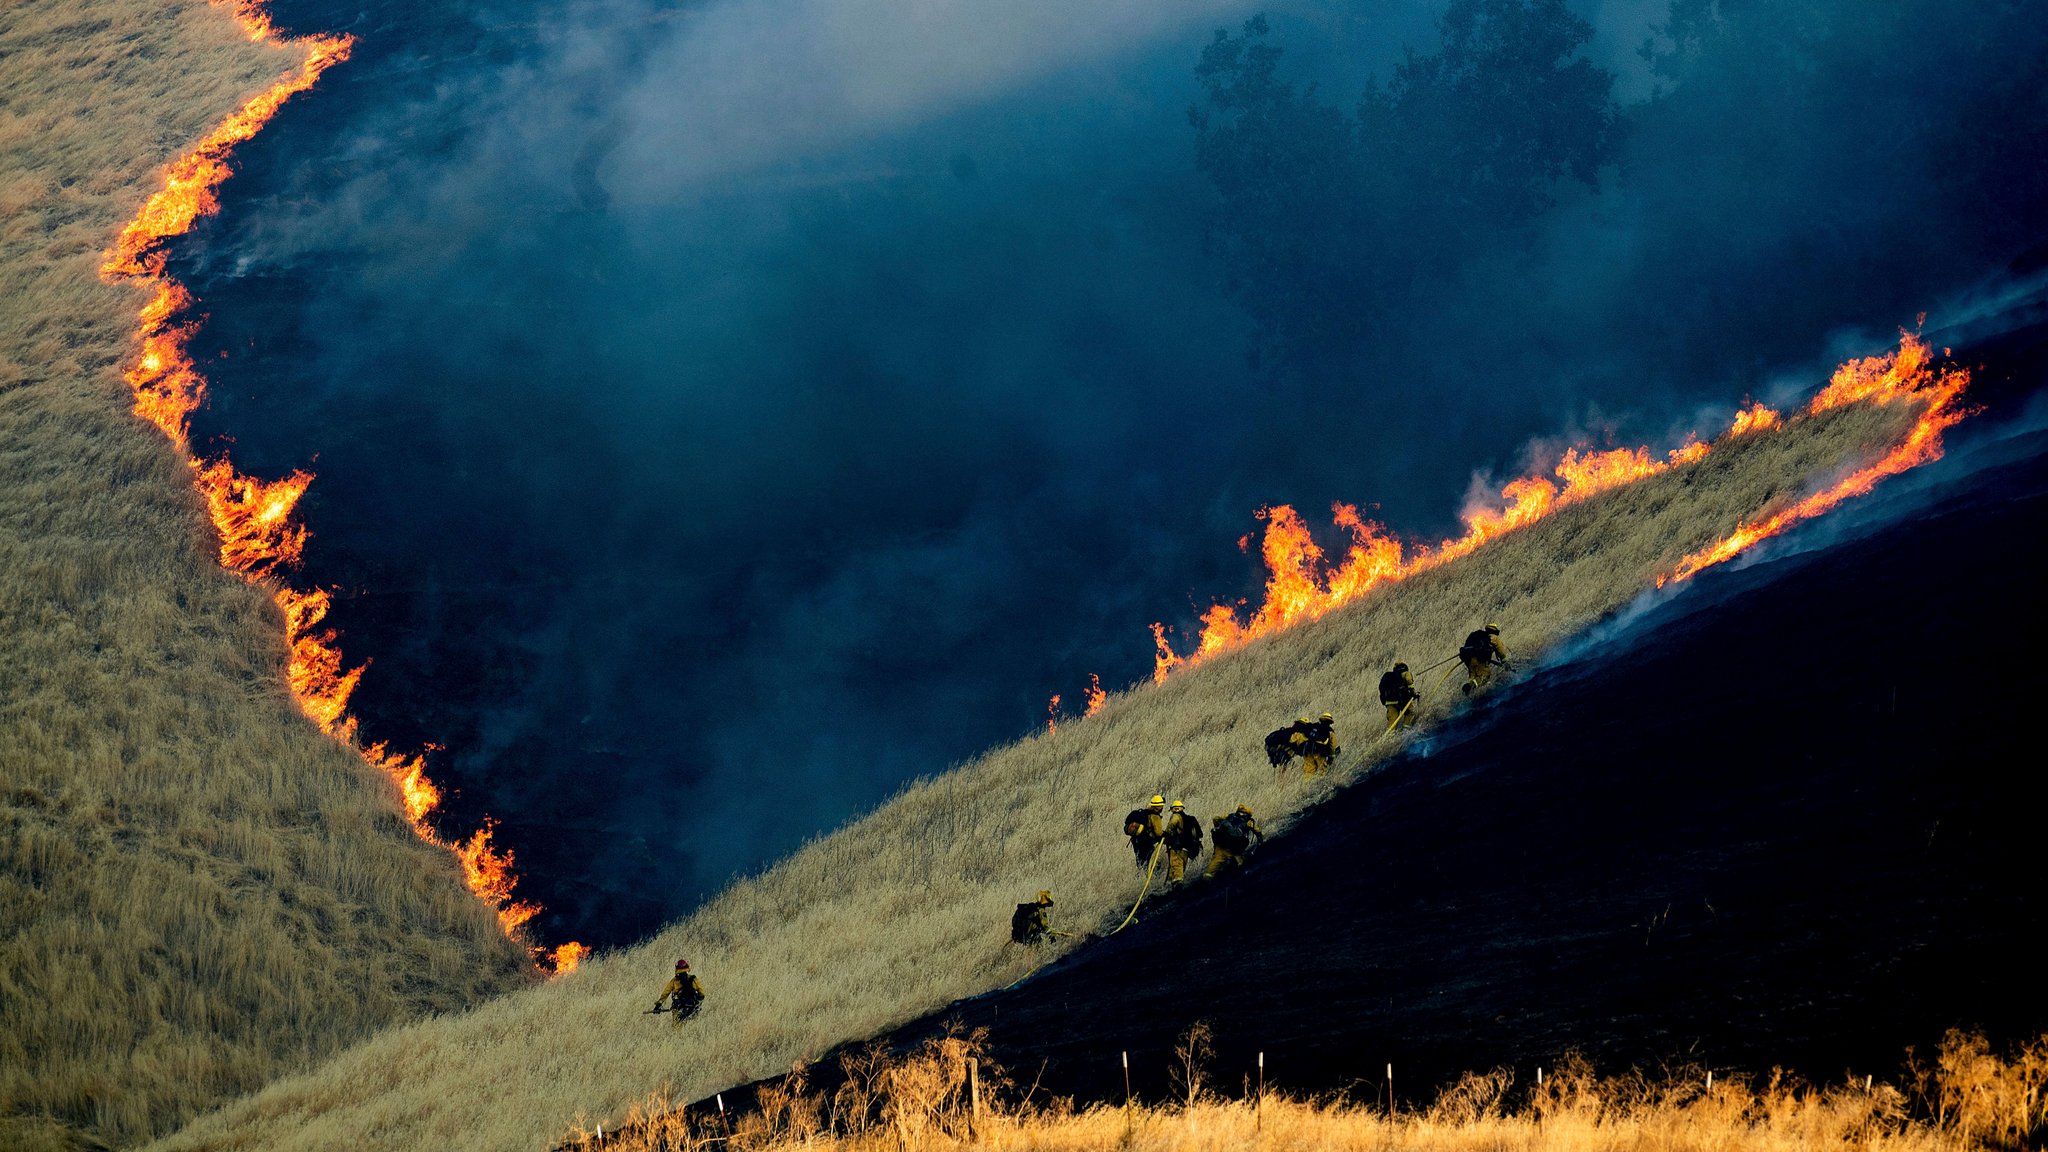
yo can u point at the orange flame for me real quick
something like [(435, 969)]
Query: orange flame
[(1755, 418), (1301, 585), (1901, 377), (1094, 695), (254, 518), (1052, 714), (490, 876), (565, 959)]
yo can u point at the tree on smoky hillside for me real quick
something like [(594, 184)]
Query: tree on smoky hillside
[(1332, 225)]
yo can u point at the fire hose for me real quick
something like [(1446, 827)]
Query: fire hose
[(1149, 869), (1399, 716)]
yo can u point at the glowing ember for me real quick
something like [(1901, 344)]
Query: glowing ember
[(258, 535), (1302, 585)]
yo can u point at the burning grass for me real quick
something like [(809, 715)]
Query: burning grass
[(1966, 1098), (906, 909), (198, 891), (259, 538)]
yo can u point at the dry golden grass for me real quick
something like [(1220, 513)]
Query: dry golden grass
[(198, 891), (1967, 1098), (907, 908)]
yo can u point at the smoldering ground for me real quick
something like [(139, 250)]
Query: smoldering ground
[(724, 413)]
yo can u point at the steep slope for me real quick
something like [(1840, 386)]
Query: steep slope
[(198, 891), (906, 909), (1789, 817)]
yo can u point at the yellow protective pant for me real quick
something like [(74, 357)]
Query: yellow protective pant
[(1402, 714), (1313, 764), (1176, 865), (1480, 671), (1222, 861)]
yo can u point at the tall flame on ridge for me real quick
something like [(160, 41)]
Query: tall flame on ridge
[(1302, 584), (1900, 377), (259, 536)]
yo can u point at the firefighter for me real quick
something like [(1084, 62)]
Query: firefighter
[(1146, 827), (1234, 836), (1397, 692), (1317, 745), (1481, 651), (1027, 923), (1183, 841), (1280, 744), (685, 993)]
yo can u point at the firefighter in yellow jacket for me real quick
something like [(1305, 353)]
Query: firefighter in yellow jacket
[(1481, 652), (1234, 835), (1183, 841), (685, 993), (1397, 692), (1146, 827), (1317, 745)]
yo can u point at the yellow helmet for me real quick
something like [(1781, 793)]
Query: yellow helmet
[(1044, 897), (1244, 809), (1327, 716), (1179, 804), (1493, 628), (1158, 800), (1301, 719)]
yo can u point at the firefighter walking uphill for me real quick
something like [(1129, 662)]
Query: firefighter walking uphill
[(1183, 841), (1482, 652), (1146, 827), (1234, 835), (1317, 745), (1397, 692), (685, 993)]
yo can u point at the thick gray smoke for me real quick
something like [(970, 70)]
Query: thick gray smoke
[(727, 412)]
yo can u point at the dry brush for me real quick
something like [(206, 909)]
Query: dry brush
[(906, 909), (198, 891)]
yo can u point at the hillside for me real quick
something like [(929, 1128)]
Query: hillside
[(906, 909), (1775, 822), (198, 891)]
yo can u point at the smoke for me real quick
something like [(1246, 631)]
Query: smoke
[(726, 413)]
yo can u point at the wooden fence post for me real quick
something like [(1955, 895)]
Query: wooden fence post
[(973, 1096), (1259, 1104)]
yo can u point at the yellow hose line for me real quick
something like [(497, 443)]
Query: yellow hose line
[(1150, 868), (1398, 717)]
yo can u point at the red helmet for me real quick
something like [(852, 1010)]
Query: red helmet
[(682, 965)]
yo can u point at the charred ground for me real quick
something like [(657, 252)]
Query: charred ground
[(1786, 818)]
